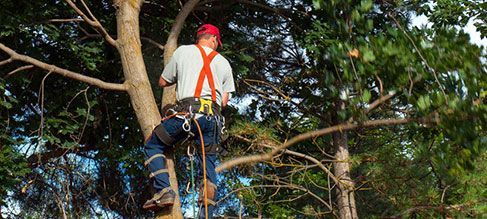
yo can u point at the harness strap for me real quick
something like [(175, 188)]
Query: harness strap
[(206, 71), (162, 134), (158, 172), (147, 162)]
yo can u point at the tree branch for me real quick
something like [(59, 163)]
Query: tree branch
[(6, 61), (64, 20), (42, 158), (149, 40), (93, 22), (379, 101), (66, 73), (19, 69), (294, 153), (313, 134)]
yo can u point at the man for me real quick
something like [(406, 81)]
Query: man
[(204, 82)]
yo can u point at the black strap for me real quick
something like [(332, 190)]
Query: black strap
[(214, 149), (194, 103), (162, 134)]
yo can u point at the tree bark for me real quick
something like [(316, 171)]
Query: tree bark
[(139, 88), (345, 188), (135, 73)]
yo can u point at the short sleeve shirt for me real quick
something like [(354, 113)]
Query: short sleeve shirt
[(185, 67)]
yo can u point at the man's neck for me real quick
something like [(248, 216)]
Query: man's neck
[(206, 44)]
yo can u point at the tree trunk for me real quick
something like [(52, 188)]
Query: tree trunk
[(345, 189), (135, 73), (139, 88)]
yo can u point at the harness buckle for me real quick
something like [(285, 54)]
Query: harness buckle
[(206, 107)]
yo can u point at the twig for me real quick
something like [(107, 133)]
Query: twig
[(6, 61), (379, 101), (420, 55), (94, 23), (64, 20), (87, 114), (41, 100), (19, 69)]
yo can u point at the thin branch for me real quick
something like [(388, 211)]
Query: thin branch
[(94, 23), (305, 136), (289, 186), (149, 40), (294, 153), (19, 69), (64, 20), (420, 55), (379, 101), (87, 114), (286, 97), (314, 160), (6, 61), (41, 100), (66, 73), (158, 45)]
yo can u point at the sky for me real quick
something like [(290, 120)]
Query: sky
[(419, 21)]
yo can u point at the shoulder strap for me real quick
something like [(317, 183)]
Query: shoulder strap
[(206, 71)]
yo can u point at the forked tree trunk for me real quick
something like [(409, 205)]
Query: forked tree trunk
[(345, 189), (139, 88), (135, 73)]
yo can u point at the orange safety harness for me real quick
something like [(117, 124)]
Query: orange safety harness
[(206, 72)]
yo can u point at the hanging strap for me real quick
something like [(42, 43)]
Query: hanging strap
[(206, 71), (158, 172), (147, 162)]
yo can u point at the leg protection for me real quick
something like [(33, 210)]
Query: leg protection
[(214, 149), (163, 135), (211, 190)]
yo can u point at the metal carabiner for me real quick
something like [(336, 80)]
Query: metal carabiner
[(186, 125), (222, 121)]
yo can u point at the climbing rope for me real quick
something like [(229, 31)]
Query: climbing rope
[(204, 167), (193, 188)]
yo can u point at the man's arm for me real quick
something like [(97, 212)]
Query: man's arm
[(225, 98), (163, 82)]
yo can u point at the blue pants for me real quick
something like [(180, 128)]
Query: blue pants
[(173, 126)]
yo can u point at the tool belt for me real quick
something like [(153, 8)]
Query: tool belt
[(198, 105)]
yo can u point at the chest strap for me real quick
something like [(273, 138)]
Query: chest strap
[(206, 72)]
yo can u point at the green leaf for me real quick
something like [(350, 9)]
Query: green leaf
[(366, 5), (366, 95), (318, 4), (368, 56), (424, 102)]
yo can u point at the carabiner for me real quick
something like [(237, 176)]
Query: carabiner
[(186, 125)]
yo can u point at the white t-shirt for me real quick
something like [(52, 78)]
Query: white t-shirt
[(184, 69)]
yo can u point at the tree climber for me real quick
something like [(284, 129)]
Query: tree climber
[(204, 82)]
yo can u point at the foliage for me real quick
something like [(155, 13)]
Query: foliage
[(294, 63), (13, 166)]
